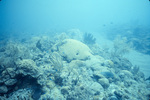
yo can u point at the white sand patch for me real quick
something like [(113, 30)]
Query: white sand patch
[(141, 60), (136, 58)]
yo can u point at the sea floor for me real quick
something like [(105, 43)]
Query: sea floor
[(136, 58), (64, 67), (141, 60)]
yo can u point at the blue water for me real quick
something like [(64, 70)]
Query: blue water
[(87, 15)]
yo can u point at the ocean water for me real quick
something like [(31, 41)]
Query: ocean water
[(74, 50)]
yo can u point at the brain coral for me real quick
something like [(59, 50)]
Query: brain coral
[(74, 50)]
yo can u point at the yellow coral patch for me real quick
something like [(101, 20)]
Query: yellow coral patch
[(73, 49)]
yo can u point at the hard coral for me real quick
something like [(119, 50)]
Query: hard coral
[(72, 49)]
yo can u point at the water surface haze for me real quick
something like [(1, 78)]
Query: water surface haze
[(87, 15)]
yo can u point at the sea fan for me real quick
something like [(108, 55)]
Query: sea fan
[(88, 38)]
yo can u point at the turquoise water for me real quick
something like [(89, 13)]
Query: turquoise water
[(74, 50)]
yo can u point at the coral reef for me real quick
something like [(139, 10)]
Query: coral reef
[(66, 70)]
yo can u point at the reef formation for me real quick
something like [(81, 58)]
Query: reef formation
[(64, 68)]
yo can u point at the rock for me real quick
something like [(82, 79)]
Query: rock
[(76, 63), (95, 62), (97, 76), (129, 82), (6, 62), (135, 70), (109, 63), (112, 98), (125, 74), (5, 76), (3, 89), (3, 98), (119, 94), (96, 88), (21, 94), (64, 91), (27, 67), (10, 82), (11, 72), (56, 94), (58, 80), (104, 82), (108, 74), (50, 84)]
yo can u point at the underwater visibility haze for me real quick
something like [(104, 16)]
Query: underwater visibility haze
[(74, 49), (47, 15)]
